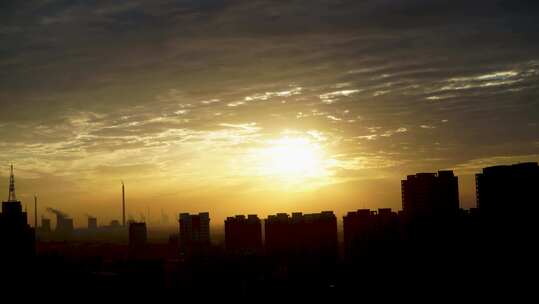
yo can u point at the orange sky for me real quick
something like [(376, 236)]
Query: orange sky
[(259, 106)]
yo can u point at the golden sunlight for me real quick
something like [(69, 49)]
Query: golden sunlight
[(292, 159)]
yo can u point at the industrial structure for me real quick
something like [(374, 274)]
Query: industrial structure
[(35, 211), (64, 224), (92, 222), (123, 204)]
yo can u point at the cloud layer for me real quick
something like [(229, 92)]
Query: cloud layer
[(165, 92)]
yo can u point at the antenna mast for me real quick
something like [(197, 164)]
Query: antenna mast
[(12, 197)]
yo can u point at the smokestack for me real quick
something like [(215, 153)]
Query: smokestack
[(57, 212), (45, 224), (64, 224), (35, 211), (123, 204)]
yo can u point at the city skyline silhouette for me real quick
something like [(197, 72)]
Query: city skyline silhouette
[(281, 148), (427, 232), (442, 198), (303, 103)]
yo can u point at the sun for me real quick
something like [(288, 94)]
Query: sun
[(293, 159)]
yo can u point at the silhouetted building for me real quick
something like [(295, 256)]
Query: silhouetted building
[(174, 244), (138, 239), (513, 186), (17, 238), (115, 224), (368, 233), (243, 235), (277, 232), (313, 235), (194, 232), (430, 194), (92, 223)]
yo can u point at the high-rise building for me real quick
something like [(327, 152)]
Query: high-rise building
[(138, 239), (305, 234), (358, 228), (17, 238), (514, 186), (365, 230), (243, 235), (194, 232), (430, 194), (277, 232)]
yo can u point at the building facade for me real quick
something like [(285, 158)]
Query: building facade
[(138, 239), (243, 234), (366, 232), (307, 235), (430, 194), (194, 232), (513, 186)]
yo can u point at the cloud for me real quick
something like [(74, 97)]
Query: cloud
[(476, 165), (178, 86), (331, 97)]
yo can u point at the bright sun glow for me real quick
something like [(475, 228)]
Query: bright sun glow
[(293, 159)]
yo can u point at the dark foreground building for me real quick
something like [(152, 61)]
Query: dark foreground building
[(508, 204), (17, 238), (369, 233), (243, 234), (194, 234), (306, 235), (430, 195), (138, 239), (512, 186)]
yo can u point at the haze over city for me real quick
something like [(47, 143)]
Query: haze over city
[(260, 106)]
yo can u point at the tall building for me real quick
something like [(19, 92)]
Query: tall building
[(194, 232), (358, 228), (365, 231), (277, 233), (430, 194), (513, 186), (138, 239), (17, 238), (313, 235), (243, 235)]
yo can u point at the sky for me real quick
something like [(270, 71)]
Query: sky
[(258, 106)]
